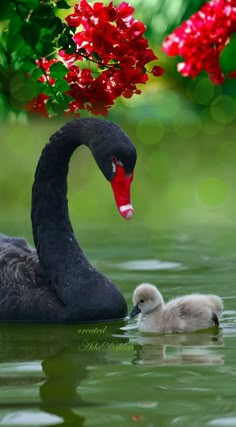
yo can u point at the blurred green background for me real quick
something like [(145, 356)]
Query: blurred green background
[(184, 131)]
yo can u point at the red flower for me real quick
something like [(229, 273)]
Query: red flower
[(111, 33), (69, 58), (232, 75), (157, 70), (38, 105), (112, 39), (200, 39), (45, 65)]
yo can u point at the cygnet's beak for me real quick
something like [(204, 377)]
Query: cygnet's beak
[(136, 310)]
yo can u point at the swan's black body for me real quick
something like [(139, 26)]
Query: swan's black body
[(58, 284)]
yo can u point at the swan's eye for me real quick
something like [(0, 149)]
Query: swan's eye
[(115, 162), (141, 301)]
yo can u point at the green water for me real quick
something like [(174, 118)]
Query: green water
[(70, 375)]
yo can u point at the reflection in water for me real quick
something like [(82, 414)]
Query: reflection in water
[(180, 349), (65, 362), (59, 391), (67, 355)]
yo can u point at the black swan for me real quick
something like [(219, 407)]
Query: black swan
[(57, 283)]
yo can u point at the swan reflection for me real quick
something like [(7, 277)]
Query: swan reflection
[(45, 365), (47, 372)]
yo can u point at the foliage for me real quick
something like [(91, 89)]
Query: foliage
[(93, 69), (29, 30), (99, 53)]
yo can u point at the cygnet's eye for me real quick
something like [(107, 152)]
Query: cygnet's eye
[(141, 301)]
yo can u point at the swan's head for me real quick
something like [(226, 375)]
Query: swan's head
[(116, 157), (146, 298)]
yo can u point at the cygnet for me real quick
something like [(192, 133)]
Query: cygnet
[(183, 314)]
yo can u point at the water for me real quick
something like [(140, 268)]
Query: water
[(110, 374)]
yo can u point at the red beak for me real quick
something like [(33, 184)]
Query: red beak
[(121, 188)]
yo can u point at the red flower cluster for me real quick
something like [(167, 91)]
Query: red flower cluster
[(38, 104), (112, 40), (200, 39)]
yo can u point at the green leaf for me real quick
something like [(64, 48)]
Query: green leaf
[(58, 70), (67, 99), (61, 4), (62, 85), (95, 56), (68, 45), (22, 56), (43, 12), (45, 45), (14, 38), (29, 4), (56, 27), (59, 105), (36, 73), (227, 58), (64, 102), (5, 10), (4, 78), (65, 40), (30, 33), (44, 88), (52, 107), (82, 51), (28, 66)]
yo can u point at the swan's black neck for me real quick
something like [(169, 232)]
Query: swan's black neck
[(54, 238), (70, 273)]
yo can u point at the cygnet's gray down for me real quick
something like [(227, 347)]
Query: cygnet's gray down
[(184, 314)]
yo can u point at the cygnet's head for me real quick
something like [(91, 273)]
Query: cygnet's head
[(146, 298)]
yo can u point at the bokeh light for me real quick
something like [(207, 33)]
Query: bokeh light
[(212, 191), (149, 131), (21, 88), (204, 91), (187, 124), (223, 109), (158, 166), (181, 194), (210, 126)]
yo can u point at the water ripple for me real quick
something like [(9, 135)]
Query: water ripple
[(149, 264), (27, 418), (227, 421)]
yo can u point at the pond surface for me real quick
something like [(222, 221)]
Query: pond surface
[(110, 374)]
